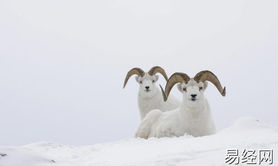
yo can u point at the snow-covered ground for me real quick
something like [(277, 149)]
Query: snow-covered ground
[(245, 133)]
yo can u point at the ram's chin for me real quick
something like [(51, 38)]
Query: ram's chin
[(150, 93), (192, 100), (147, 94)]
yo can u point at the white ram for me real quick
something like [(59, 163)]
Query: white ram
[(149, 95)]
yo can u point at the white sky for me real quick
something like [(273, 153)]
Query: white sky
[(63, 62)]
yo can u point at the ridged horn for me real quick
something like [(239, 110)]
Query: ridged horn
[(158, 69), (133, 71), (175, 78), (209, 76)]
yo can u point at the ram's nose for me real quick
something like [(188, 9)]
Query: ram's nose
[(193, 95), (147, 87)]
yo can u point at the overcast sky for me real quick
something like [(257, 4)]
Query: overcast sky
[(63, 62)]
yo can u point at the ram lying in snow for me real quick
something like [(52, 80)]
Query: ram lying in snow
[(193, 117), (149, 95)]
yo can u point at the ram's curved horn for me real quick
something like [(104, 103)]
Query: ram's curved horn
[(133, 71), (158, 69), (209, 76), (175, 78)]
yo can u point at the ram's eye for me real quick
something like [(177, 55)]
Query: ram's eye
[(200, 88), (140, 82), (184, 89), (153, 81)]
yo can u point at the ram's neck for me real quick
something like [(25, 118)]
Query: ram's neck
[(147, 103), (194, 110), (196, 120)]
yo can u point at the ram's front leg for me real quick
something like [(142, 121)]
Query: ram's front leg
[(144, 130), (164, 131), (142, 134)]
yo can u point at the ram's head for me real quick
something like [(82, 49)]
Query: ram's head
[(146, 80), (192, 88)]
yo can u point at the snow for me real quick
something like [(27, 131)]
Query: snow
[(245, 133)]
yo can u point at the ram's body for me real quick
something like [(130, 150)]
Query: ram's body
[(195, 121)]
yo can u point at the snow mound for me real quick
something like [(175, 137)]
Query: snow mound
[(245, 133)]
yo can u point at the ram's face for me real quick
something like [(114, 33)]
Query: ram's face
[(147, 83), (193, 91)]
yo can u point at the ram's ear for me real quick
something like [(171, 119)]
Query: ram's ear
[(205, 85), (156, 77), (180, 87), (137, 78)]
